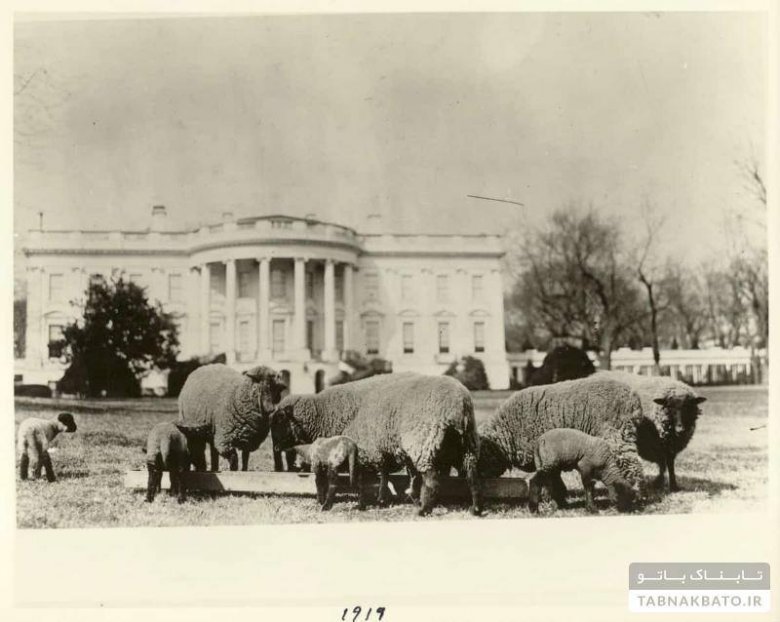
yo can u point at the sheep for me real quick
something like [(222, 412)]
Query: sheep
[(670, 410), (167, 450), (326, 456), (423, 423), (597, 406), (566, 449), (229, 410), (33, 440)]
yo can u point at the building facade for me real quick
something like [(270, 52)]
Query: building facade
[(291, 293)]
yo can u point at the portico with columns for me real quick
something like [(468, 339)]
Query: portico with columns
[(290, 293)]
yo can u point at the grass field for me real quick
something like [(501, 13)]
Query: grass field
[(725, 468)]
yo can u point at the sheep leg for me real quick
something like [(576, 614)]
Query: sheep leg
[(46, 460), (333, 479), (558, 490), (244, 460), (429, 493), (151, 482), (182, 477), (361, 485), (198, 453), (321, 480), (214, 457), (472, 478), (172, 464), (383, 490), (588, 484), (673, 487), (232, 457), (534, 491), (658, 482), (278, 466), (35, 459), (24, 465)]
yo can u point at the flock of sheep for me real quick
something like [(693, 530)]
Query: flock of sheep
[(600, 425)]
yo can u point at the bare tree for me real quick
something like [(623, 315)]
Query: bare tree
[(574, 281), (649, 272)]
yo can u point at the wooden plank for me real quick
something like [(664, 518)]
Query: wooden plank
[(271, 482)]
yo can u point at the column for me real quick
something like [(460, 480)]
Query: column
[(230, 310), (329, 353), (348, 304), (205, 307), (299, 322), (263, 284), (32, 351)]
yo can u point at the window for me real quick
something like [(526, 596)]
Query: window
[(408, 335), (310, 334), (174, 288), (442, 288), (243, 336), (214, 282), (372, 337), (479, 336), (372, 286), (310, 286), (278, 336), (476, 287), (444, 337), (339, 335), (56, 282), (215, 337), (406, 287), (278, 284), (244, 280), (56, 345), (339, 287)]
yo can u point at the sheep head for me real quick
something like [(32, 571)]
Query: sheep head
[(492, 461), (67, 420), (286, 432), (271, 387), (680, 411)]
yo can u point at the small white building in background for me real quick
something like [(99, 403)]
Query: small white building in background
[(290, 293)]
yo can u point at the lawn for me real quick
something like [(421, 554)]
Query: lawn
[(725, 468)]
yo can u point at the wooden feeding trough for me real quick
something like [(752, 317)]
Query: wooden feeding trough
[(286, 483)]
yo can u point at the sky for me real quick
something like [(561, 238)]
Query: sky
[(399, 115)]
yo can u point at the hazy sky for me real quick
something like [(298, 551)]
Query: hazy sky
[(403, 115)]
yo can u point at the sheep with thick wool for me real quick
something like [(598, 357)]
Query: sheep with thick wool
[(423, 423), (670, 410), (597, 406), (229, 410), (565, 449), (34, 437)]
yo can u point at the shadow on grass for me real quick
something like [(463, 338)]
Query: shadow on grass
[(687, 484)]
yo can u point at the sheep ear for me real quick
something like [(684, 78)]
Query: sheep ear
[(661, 401), (699, 400)]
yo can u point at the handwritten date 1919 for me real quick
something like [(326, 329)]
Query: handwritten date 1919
[(354, 614)]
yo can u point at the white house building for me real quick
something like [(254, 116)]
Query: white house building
[(291, 293)]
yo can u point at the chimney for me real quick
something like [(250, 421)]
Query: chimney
[(227, 216), (158, 217)]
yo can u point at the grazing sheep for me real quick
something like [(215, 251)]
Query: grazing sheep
[(229, 410), (670, 410), (33, 440), (597, 406), (423, 423), (167, 450), (327, 456), (565, 449)]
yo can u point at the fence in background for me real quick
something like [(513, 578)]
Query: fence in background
[(711, 366)]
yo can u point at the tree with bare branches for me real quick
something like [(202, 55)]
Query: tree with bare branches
[(575, 282)]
